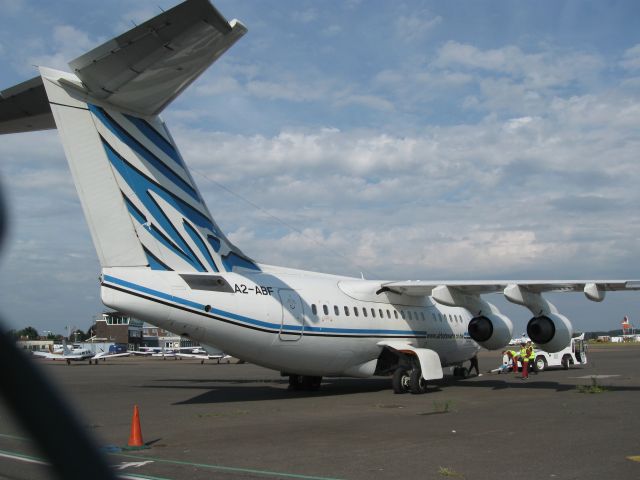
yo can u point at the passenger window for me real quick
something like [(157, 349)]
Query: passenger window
[(355, 311), (346, 310), (314, 310), (373, 312), (395, 314), (434, 316), (409, 315), (388, 314), (364, 312), (325, 309), (422, 317), (336, 310), (381, 313)]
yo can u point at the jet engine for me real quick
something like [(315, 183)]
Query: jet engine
[(551, 331), (491, 331)]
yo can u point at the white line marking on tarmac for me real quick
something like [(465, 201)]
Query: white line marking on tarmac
[(22, 458), (598, 376), (124, 465)]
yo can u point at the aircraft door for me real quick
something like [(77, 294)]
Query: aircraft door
[(292, 325)]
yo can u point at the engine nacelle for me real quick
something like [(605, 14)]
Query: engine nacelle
[(492, 331), (552, 332)]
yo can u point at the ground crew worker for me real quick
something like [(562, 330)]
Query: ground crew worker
[(533, 368), (524, 358), (474, 364), (514, 358)]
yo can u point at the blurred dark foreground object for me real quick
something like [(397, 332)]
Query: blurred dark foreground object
[(42, 412)]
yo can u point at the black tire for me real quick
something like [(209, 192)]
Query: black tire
[(456, 371), (417, 384), (566, 362), (311, 384), (541, 363), (400, 380), (295, 382), (464, 372)]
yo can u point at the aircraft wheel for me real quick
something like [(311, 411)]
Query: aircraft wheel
[(400, 380), (417, 384), (541, 363), (461, 372), (68, 362), (311, 383), (566, 361), (295, 382)]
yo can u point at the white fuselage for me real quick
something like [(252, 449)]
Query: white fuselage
[(289, 320)]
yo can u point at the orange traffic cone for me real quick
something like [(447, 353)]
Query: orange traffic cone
[(135, 437)]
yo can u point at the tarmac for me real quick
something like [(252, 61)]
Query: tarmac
[(239, 421)]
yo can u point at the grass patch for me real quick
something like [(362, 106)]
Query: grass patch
[(593, 388), (442, 407), (449, 472)]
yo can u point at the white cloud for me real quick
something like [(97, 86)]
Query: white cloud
[(497, 196), (546, 68), (68, 42), (332, 30), (305, 16), (631, 58), (416, 25), (12, 7)]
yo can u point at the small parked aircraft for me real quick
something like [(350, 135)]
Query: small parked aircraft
[(76, 354)]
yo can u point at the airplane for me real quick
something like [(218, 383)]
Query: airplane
[(204, 352), (76, 354), (160, 352), (165, 260)]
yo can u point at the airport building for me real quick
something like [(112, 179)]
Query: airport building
[(35, 345), (118, 328), (153, 336)]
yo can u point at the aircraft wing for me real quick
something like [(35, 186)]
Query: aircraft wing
[(105, 355), (192, 355), (47, 355), (56, 356), (202, 356), (144, 69), (424, 288)]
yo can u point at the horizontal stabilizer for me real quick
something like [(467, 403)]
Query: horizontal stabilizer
[(25, 108), (144, 69)]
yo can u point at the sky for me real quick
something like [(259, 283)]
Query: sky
[(398, 140)]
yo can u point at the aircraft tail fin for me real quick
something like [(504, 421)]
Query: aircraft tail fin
[(140, 201)]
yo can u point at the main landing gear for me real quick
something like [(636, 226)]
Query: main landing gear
[(408, 380), (304, 383), (461, 372)]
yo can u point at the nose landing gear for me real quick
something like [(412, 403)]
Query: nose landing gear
[(304, 382)]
